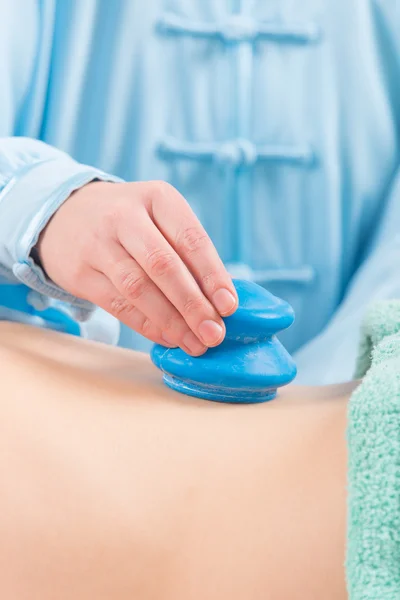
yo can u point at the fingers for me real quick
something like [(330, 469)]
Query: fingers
[(180, 226), (135, 300), (108, 298), (169, 273)]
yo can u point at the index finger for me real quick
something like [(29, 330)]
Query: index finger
[(180, 226), (169, 273)]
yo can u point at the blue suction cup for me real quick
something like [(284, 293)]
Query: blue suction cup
[(16, 306), (248, 366)]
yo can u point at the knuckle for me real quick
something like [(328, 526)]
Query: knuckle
[(172, 325), (163, 187), (134, 286), (192, 239), (159, 191), (193, 306), (160, 263), (169, 325), (120, 307), (209, 281), (146, 327)]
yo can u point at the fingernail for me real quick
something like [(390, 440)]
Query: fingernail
[(193, 344), (224, 301), (211, 332)]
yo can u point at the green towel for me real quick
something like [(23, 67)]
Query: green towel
[(382, 320), (373, 541)]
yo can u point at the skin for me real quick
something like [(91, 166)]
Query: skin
[(113, 486), (138, 251)]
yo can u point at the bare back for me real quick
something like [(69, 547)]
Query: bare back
[(113, 486)]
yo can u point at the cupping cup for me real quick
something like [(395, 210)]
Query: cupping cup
[(248, 366)]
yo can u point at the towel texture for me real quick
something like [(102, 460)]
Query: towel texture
[(382, 320), (373, 545)]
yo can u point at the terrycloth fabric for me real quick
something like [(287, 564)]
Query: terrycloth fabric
[(373, 548), (381, 320)]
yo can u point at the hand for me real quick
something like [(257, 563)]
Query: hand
[(138, 251)]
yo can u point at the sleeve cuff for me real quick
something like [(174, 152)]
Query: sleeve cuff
[(27, 203)]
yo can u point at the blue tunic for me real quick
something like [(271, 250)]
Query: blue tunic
[(278, 120)]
